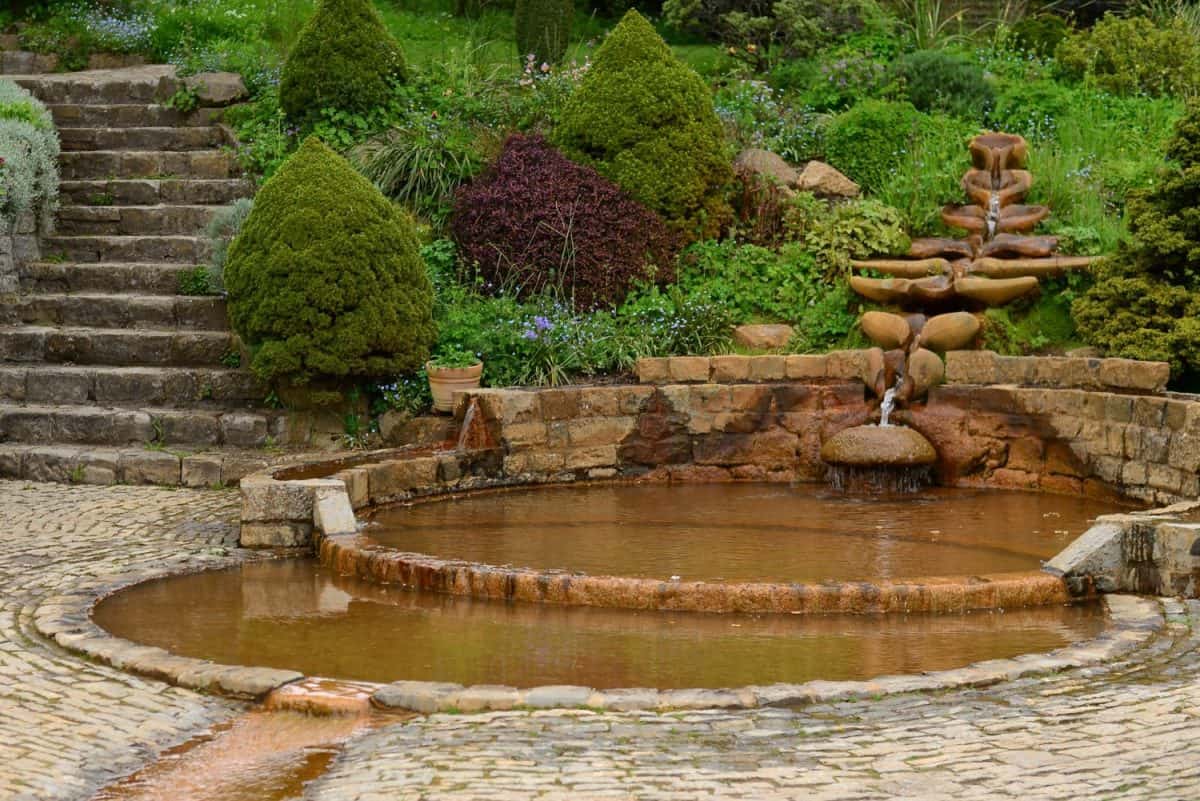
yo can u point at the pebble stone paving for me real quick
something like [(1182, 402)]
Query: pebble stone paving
[(1126, 730)]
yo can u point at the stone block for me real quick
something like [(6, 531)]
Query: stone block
[(559, 404), (424, 697), (708, 398), (1149, 412), (51, 464), (1118, 408), (558, 697), (653, 371), (538, 463), (243, 430), (358, 488), (524, 435), (1026, 454), (597, 402), (483, 697), (58, 386), (767, 368), (630, 400), (389, 479), (1019, 370), (1164, 477), (1134, 375), (776, 447), (201, 470), (730, 369), (688, 369), (332, 513), (599, 430), (275, 535), (596, 456), (509, 406), (149, 467), (847, 364), (971, 367), (801, 366)]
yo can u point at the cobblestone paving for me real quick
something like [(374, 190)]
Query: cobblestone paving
[(1126, 731), (68, 726)]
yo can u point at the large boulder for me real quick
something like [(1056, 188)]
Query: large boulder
[(825, 181)]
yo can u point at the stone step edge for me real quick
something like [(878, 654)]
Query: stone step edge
[(84, 464)]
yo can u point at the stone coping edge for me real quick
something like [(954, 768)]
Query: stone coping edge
[(962, 367), (66, 619), (352, 554), (1133, 621)]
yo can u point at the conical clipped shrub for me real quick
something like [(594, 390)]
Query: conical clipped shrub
[(543, 29), (325, 279), (1145, 303), (646, 120), (344, 59)]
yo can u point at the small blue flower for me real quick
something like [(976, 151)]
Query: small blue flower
[(542, 323), (530, 334)]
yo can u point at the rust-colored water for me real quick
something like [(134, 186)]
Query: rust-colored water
[(260, 756), (743, 532), (292, 614)]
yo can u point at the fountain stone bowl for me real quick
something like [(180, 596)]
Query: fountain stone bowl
[(878, 446)]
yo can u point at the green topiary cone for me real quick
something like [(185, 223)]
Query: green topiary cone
[(344, 59), (325, 279), (645, 120)]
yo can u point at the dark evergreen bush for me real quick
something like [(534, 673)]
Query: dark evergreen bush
[(1146, 299), (646, 120), (935, 80), (537, 221), (344, 59), (867, 142), (543, 29), (325, 279)]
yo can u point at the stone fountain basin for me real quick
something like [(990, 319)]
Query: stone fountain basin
[(878, 446)]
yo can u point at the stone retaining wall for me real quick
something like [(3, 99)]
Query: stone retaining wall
[(18, 246)]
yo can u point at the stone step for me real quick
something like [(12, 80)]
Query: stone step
[(115, 347), (67, 464), (95, 425), (22, 62), (161, 138), (147, 84), (166, 387), (128, 115), (104, 164), (103, 277), (203, 313), (133, 220), (150, 192), (188, 249)]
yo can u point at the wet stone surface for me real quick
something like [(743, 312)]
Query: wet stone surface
[(68, 726), (1122, 731)]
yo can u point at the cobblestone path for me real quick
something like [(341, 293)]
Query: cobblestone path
[(67, 726), (1128, 730)]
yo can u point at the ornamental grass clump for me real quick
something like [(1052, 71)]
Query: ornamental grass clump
[(344, 59), (535, 221), (1145, 303), (28, 160), (325, 279), (645, 120), (543, 29)]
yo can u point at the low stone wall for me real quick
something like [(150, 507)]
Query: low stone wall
[(18, 246)]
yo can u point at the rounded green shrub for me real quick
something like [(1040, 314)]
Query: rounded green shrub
[(1146, 298), (1131, 55), (1040, 34), (935, 80), (343, 59), (867, 141), (543, 29), (646, 120), (325, 279)]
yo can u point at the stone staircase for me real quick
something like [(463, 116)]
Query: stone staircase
[(107, 373)]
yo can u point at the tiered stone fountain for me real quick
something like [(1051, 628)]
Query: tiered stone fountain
[(940, 286)]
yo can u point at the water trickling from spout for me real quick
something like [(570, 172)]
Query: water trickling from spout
[(889, 401), (993, 214)]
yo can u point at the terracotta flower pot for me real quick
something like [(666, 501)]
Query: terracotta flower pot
[(445, 381)]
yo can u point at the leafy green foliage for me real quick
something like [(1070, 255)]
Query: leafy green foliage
[(646, 121), (1130, 55), (222, 229), (28, 158), (543, 29), (325, 279), (755, 283), (1040, 34), (344, 59), (938, 81), (836, 234), (1146, 297), (198, 280)]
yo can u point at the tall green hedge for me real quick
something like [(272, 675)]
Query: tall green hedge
[(646, 120), (1145, 303), (325, 279), (344, 59), (543, 29)]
